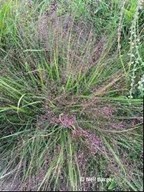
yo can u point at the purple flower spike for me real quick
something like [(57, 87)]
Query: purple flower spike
[(67, 121)]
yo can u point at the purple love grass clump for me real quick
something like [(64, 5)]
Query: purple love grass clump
[(93, 142), (67, 121), (64, 120)]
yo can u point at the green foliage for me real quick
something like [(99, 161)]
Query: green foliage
[(74, 60)]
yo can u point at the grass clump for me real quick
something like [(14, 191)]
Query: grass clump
[(66, 119)]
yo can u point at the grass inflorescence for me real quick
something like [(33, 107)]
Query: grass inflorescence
[(71, 89)]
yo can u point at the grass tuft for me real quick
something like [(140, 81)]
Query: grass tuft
[(71, 89)]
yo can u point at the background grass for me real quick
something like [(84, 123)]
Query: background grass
[(77, 59)]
